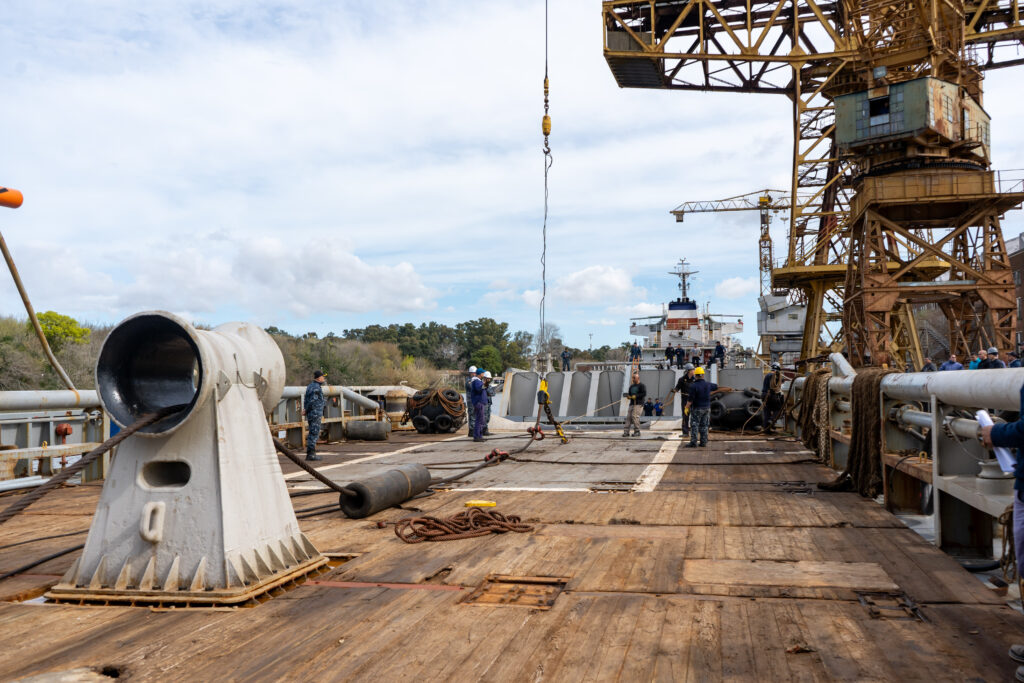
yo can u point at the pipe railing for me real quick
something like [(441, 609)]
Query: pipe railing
[(922, 414), (27, 419)]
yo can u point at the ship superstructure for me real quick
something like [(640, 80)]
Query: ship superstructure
[(684, 323)]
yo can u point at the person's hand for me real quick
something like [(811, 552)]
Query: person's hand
[(986, 436)]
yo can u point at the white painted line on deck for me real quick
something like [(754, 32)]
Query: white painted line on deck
[(301, 473), (651, 476), (748, 452)]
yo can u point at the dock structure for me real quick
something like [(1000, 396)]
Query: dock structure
[(647, 561)]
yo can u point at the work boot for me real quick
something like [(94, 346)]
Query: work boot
[(626, 433), (311, 456), (691, 445), (487, 432), (636, 432), (1017, 653), (478, 438), (1019, 674)]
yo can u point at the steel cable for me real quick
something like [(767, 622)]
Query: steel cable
[(312, 471), (86, 460)]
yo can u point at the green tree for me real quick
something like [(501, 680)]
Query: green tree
[(61, 330), (488, 358)]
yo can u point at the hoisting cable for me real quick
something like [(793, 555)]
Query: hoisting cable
[(548, 160), (86, 460)]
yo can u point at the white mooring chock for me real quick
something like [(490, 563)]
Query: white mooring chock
[(194, 509)]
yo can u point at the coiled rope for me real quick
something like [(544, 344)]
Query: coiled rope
[(468, 524)]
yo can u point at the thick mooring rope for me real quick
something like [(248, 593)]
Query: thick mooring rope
[(813, 417), (863, 472)]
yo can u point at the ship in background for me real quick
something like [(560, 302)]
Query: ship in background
[(684, 323)]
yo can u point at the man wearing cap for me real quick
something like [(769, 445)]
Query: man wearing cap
[(928, 366), (313, 409), (566, 360), (771, 398), (478, 397), (700, 408), (1015, 363), (991, 361), (470, 415), (683, 389), (636, 395)]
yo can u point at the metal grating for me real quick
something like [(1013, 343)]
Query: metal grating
[(890, 606), (537, 592)]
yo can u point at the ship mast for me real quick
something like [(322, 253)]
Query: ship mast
[(684, 275)]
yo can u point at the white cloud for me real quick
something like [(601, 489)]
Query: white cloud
[(604, 322), (597, 285), (531, 297), (737, 287), (636, 310), (499, 297)]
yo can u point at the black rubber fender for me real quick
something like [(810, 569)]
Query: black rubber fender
[(422, 424), (376, 493), (451, 395), (753, 406), (366, 430), (718, 410), (443, 423)]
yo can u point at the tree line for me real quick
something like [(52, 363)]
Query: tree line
[(376, 354)]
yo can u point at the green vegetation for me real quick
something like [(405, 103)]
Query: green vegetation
[(60, 330)]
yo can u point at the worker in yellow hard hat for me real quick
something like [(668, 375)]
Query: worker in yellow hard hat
[(700, 408)]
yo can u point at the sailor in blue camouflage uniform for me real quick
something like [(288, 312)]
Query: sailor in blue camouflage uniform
[(313, 409)]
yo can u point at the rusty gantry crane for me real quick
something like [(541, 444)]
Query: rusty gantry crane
[(893, 201)]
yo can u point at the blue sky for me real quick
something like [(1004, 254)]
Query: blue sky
[(328, 165)]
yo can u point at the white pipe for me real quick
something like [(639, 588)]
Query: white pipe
[(840, 366), (11, 401), (21, 483), (359, 399), (20, 401), (962, 427)]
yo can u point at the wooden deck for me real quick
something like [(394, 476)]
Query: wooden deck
[(680, 564)]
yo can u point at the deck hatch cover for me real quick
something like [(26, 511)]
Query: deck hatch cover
[(890, 606), (538, 592)]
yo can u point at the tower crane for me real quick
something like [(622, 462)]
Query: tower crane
[(765, 202), (893, 201)]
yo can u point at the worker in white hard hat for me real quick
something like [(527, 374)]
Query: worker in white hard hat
[(490, 389), (470, 417)]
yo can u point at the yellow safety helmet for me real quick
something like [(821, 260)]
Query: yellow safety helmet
[(698, 371)]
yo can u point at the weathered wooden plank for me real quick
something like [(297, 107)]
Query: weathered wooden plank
[(867, 576)]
